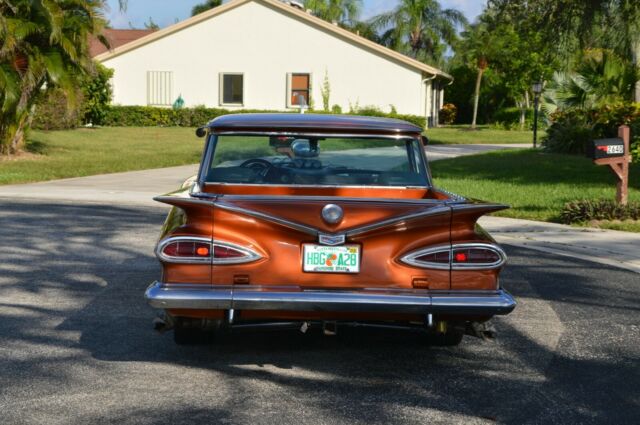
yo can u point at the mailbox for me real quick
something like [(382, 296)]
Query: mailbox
[(606, 148)]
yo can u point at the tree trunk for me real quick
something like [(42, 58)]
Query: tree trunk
[(476, 98), (636, 62)]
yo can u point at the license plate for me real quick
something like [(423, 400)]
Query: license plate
[(331, 259)]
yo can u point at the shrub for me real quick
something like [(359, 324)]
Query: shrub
[(336, 109), (97, 95), (604, 209), (570, 133), (448, 114), (53, 111), (635, 150), (149, 116), (571, 129), (509, 118)]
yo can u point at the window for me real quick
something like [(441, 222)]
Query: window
[(159, 88), (299, 88), (304, 160), (232, 89)]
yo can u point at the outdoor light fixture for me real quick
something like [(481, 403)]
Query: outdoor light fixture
[(537, 90), (537, 87)]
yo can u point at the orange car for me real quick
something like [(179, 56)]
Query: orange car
[(325, 221)]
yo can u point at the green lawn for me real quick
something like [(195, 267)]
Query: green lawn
[(461, 134), (84, 152), (535, 184)]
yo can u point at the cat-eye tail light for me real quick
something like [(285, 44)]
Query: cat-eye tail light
[(469, 256), (196, 250)]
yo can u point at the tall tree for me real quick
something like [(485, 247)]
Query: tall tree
[(420, 29), (203, 7), (343, 12), (43, 44), (613, 24), (478, 49)]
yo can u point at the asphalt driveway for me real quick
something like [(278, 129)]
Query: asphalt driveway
[(77, 346)]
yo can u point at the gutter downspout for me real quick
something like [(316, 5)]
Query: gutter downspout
[(426, 99)]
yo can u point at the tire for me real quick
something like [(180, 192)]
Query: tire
[(190, 332), (449, 339)]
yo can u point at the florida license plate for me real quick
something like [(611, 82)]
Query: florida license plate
[(331, 259)]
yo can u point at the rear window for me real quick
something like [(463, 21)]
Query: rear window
[(317, 161)]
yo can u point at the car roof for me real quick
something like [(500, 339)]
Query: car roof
[(311, 123)]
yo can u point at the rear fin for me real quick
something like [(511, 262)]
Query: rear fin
[(189, 216), (464, 217)]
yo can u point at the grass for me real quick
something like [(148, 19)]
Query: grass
[(461, 134), (535, 184), (84, 152)]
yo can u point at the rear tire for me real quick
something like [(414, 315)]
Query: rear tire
[(191, 332)]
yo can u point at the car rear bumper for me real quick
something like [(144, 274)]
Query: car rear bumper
[(293, 298)]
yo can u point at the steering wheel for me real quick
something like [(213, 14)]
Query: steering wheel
[(261, 166)]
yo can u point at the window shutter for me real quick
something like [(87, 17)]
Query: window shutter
[(288, 92)]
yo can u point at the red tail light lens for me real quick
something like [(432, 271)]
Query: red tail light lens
[(186, 248), (220, 251), (439, 257), (183, 249), (456, 257), (476, 256)]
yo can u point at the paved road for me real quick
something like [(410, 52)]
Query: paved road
[(76, 344)]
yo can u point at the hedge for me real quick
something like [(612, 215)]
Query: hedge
[(604, 209), (149, 116)]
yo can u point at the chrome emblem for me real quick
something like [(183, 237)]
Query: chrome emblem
[(331, 239), (332, 213)]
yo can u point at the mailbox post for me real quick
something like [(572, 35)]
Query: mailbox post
[(615, 153)]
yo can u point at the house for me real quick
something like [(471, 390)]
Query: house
[(269, 55)]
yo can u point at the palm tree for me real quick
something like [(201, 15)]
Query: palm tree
[(43, 44), (344, 12), (420, 28), (477, 48), (203, 7), (601, 78)]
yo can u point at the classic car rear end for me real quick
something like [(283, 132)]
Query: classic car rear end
[(323, 219)]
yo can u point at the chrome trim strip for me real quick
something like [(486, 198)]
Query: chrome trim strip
[(286, 223), (398, 136), (356, 231), (411, 258), (250, 255), (294, 298)]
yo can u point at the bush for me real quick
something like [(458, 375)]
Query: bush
[(587, 210), (509, 118), (570, 133), (570, 130), (149, 116), (336, 109), (448, 114), (53, 112), (97, 95)]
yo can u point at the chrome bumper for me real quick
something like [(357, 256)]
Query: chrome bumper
[(292, 298)]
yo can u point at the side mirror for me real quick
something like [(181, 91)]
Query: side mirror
[(425, 141), (201, 131)]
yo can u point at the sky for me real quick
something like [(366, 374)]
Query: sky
[(167, 12)]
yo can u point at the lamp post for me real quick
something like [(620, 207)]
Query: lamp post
[(537, 90)]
